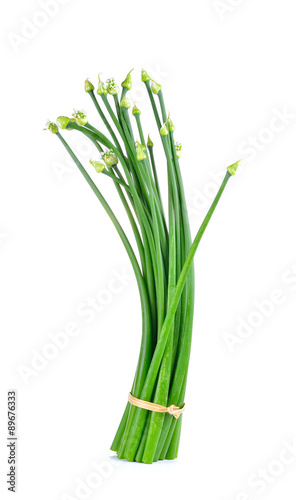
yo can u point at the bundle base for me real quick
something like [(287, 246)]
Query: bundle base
[(139, 446)]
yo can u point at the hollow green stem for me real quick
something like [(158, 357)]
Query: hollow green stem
[(146, 344), (140, 416)]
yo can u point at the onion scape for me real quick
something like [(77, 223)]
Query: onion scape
[(161, 255)]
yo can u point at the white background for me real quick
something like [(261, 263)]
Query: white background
[(228, 73)]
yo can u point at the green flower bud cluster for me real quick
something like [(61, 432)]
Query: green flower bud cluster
[(178, 147), (109, 157), (80, 117), (52, 127), (112, 86)]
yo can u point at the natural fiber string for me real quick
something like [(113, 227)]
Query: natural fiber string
[(172, 410)]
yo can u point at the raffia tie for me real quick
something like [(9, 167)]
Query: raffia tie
[(173, 410)]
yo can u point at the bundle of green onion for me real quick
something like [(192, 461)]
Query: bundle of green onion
[(162, 262)]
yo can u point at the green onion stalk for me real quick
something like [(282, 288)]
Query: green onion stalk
[(161, 253)]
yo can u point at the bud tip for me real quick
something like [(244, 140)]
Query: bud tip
[(52, 127), (136, 110), (149, 142), (88, 86), (155, 87), (233, 168), (125, 103), (140, 150), (127, 83), (145, 76), (164, 130)]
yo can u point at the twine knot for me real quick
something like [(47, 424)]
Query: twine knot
[(173, 410)]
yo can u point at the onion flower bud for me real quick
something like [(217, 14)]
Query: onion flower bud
[(145, 76), (125, 103), (178, 147), (112, 86), (98, 164), (233, 168), (102, 89), (140, 151), (164, 130), (63, 121), (110, 158), (149, 142), (171, 126), (88, 86), (136, 110), (52, 127), (80, 117), (127, 83), (155, 87)]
